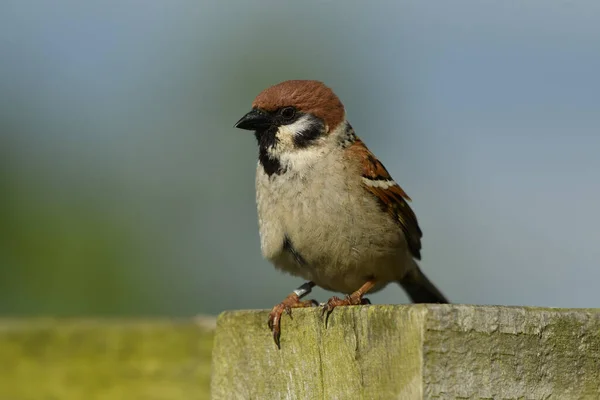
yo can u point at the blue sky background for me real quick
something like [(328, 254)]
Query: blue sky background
[(128, 190)]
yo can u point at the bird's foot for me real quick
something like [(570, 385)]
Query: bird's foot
[(292, 301), (354, 299)]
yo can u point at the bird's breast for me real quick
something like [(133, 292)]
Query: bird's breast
[(326, 217)]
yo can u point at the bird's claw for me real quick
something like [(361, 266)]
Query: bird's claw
[(349, 300), (274, 321)]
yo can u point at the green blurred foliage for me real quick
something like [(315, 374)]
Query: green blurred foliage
[(104, 359), (59, 255), (124, 188)]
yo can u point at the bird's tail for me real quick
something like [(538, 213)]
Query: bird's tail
[(420, 289)]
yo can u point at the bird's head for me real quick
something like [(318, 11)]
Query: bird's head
[(292, 121)]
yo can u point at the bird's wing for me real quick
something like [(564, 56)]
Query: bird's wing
[(377, 180)]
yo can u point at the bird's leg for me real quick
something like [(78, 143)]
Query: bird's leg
[(291, 301), (353, 299)]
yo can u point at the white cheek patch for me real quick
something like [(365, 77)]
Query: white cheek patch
[(291, 130), (287, 151), (286, 133)]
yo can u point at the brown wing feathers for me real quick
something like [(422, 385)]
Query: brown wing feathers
[(377, 180)]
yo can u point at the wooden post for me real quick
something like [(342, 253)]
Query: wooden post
[(410, 352)]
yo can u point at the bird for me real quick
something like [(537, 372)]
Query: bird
[(328, 210)]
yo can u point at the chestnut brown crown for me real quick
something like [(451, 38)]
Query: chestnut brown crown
[(307, 96)]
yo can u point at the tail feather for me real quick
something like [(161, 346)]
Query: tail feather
[(420, 289)]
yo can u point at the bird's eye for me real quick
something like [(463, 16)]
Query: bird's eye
[(287, 112)]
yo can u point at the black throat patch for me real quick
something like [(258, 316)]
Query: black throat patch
[(267, 139)]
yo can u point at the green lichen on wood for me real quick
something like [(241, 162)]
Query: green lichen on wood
[(410, 352), (104, 359), (363, 350)]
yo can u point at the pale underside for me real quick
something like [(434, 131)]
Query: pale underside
[(340, 236)]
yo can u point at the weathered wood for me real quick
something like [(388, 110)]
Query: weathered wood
[(104, 359), (410, 352)]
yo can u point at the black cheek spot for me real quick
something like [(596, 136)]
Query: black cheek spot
[(306, 137)]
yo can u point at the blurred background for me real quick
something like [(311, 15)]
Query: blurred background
[(125, 189)]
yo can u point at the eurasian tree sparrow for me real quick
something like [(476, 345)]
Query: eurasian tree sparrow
[(328, 210)]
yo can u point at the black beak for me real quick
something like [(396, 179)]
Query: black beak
[(254, 120)]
